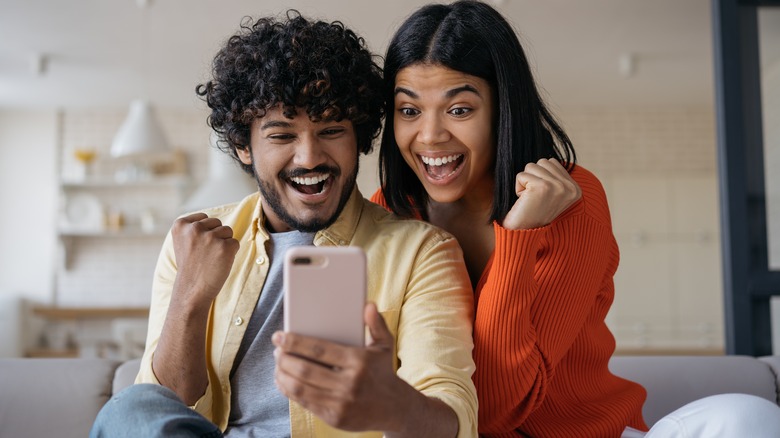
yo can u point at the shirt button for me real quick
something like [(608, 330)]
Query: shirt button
[(238, 321), (342, 242), (260, 260)]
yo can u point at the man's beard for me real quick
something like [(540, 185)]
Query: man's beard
[(273, 201)]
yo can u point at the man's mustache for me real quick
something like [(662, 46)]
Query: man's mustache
[(303, 171)]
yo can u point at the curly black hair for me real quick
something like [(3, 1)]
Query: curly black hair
[(321, 67)]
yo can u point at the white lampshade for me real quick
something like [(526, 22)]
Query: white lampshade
[(140, 134), (226, 182)]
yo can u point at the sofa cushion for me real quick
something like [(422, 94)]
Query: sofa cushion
[(52, 397), (674, 381)]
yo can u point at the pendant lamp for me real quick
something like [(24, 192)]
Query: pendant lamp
[(139, 143), (140, 134)]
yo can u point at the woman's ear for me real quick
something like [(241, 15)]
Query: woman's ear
[(245, 155)]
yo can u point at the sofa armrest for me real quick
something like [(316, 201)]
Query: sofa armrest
[(774, 365), (125, 375), (674, 381)]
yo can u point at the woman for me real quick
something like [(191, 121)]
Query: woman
[(469, 146)]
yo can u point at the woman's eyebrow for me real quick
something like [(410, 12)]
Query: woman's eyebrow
[(448, 94), (408, 92), (457, 90)]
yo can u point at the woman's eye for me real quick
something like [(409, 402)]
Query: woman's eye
[(460, 111), (408, 112)]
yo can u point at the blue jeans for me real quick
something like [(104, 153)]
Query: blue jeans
[(146, 410)]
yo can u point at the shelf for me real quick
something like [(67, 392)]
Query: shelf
[(109, 183), (79, 313), (130, 232), (64, 329)]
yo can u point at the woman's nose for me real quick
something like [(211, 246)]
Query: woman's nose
[(432, 131)]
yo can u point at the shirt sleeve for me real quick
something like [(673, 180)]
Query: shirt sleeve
[(435, 327), (534, 302), (162, 287)]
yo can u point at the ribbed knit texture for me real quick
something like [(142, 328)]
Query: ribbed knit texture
[(541, 344)]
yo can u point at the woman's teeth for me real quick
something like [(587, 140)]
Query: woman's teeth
[(439, 161), (310, 180)]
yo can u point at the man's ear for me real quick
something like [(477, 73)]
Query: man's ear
[(245, 155)]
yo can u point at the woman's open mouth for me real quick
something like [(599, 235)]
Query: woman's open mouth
[(440, 168)]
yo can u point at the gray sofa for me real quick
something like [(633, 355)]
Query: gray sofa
[(61, 397)]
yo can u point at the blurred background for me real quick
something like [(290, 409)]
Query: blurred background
[(103, 142)]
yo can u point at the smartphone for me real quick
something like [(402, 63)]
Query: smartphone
[(325, 292)]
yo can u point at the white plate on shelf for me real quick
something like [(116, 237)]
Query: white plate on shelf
[(83, 212)]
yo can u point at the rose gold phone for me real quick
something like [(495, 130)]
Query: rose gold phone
[(324, 293)]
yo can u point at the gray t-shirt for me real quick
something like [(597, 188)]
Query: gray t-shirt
[(258, 409)]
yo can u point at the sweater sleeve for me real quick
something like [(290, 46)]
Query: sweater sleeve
[(379, 198), (533, 303)]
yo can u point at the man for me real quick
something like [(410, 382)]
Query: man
[(295, 102)]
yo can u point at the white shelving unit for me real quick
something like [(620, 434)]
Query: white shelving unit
[(102, 208)]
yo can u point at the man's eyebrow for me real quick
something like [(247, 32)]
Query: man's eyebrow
[(275, 124)]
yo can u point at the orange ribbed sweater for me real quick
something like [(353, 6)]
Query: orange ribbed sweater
[(541, 344)]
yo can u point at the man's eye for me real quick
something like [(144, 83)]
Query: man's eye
[(280, 137), (333, 131)]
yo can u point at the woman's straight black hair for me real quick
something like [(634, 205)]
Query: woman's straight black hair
[(473, 38)]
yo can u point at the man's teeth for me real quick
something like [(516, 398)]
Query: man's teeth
[(439, 160), (310, 180)]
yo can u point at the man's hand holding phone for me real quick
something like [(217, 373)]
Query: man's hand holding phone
[(323, 362), (349, 387)]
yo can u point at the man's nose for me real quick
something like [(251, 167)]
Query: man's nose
[(309, 153)]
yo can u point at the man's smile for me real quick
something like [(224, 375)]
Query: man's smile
[(310, 184)]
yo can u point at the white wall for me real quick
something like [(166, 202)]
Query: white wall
[(28, 196), (658, 169)]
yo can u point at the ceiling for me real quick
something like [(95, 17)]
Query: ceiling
[(104, 53)]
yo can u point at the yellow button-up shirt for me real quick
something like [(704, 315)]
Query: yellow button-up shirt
[(416, 277)]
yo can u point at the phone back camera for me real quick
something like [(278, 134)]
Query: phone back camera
[(302, 260)]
